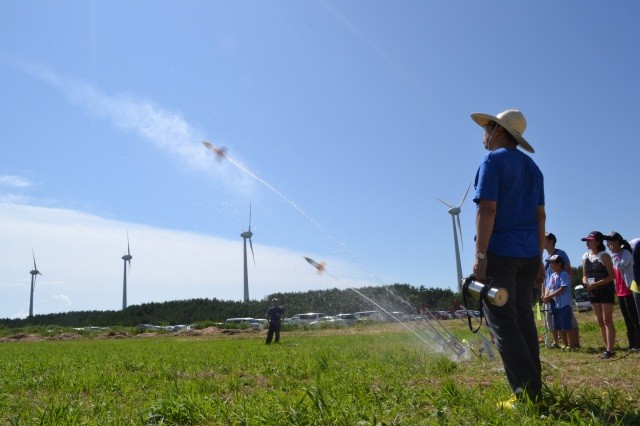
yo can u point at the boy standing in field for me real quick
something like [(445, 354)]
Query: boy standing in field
[(559, 291)]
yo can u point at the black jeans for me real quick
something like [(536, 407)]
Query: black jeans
[(273, 329), (513, 324), (630, 315)]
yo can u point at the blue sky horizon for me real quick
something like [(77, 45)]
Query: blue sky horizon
[(345, 122)]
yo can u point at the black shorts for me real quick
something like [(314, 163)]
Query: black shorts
[(604, 294)]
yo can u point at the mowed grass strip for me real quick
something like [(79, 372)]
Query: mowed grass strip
[(357, 376)]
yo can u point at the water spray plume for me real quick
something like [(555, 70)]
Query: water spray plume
[(433, 333)]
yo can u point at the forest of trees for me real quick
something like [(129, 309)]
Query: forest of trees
[(396, 297)]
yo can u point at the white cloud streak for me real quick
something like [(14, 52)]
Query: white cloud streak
[(14, 182)]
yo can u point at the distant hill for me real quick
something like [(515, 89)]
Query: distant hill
[(396, 297)]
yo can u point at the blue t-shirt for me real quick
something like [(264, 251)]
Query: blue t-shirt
[(547, 267), (511, 179), (559, 280)]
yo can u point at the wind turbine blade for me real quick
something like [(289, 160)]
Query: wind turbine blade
[(465, 195), (34, 260), (460, 229), (446, 204), (254, 258), (249, 219), (128, 250)]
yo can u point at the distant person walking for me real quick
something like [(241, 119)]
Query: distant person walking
[(274, 316), (510, 234), (622, 259), (597, 279)]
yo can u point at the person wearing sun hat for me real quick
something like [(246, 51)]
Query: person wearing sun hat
[(597, 279), (510, 235)]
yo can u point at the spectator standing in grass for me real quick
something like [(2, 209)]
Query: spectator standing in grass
[(635, 249), (559, 290), (510, 220), (597, 279), (622, 259), (274, 316), (551, 250)]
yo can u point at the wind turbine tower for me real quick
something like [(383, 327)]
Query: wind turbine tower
[(246, 235), (34, 273), (127, 258), (454, 211)]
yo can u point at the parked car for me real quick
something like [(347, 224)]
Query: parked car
[(400, 316), (582, 301), (307, 318), (349, 319), (443, 315), (147, 327), (375, 316), (329, 320), (250, 322)]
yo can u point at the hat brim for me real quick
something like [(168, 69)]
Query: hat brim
[(482, 119), (588, 239)]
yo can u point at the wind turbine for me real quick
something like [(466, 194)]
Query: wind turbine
[(247, 235), (454, 211), (127, 258), (34, 274)]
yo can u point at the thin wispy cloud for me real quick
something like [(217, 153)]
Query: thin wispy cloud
[(166, 130), (10, 181)]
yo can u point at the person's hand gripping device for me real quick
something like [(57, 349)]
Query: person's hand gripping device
[(484, 292)]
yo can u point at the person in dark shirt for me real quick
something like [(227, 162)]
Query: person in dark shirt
[(274, 314)]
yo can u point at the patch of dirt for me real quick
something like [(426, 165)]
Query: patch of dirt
[(143, 335), (23, 337), (66, 336), (114, 335)]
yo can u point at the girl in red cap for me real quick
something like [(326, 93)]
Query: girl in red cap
[(597, 279)]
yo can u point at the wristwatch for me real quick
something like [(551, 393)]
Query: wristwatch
[(481, 256)]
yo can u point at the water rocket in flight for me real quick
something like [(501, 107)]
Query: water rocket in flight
[(319, 266), (220, 152)]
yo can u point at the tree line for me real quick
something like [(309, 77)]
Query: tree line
[(397, 297)]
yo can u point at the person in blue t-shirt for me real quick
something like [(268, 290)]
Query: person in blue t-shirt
[(510, 234), (559, 290), (274, 316), (550, 249)]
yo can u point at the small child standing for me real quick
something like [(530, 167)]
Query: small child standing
[(559, 291)]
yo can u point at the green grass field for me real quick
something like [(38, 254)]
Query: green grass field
[(374, 375)]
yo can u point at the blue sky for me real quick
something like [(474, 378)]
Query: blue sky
[(345, 122)]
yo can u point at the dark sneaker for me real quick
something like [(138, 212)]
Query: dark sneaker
[(606, 355)]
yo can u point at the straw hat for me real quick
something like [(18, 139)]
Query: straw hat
[(511, 120)]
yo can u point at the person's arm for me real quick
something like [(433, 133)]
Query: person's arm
[(541, 215), (485, 218)]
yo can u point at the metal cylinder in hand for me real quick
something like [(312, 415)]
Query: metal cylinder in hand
[(495, 296)]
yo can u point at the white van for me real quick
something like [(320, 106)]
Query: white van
[(251, 322), (375, 316), (307, 318), (582, 301)]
